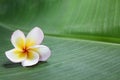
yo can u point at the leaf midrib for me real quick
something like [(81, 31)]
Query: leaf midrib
[(106, 39)]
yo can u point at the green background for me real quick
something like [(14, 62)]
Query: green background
[(83, 35)]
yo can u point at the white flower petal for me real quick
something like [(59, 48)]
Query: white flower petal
[(18, 39), (15, 56), (44, 52), (33, 61), (34, 37)]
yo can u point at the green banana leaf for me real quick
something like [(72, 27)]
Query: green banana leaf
[(83, 35)]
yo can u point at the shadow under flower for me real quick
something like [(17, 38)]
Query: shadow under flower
[(11, 65)]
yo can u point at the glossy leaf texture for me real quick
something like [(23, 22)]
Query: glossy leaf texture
[(84, 37)]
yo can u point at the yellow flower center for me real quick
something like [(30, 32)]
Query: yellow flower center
[(25, 50)]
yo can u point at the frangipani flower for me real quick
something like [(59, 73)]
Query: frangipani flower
[(28, 50)]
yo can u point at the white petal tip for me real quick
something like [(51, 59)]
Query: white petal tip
[(28, 65), (13, 57), (36, 27), (45, 53), (36, 35), (31, 62)]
